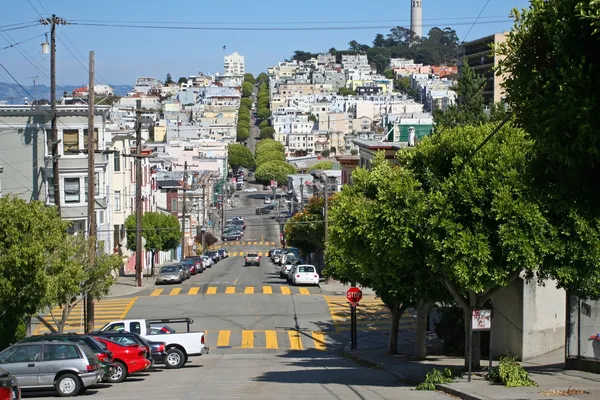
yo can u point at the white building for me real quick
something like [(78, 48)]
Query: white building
[(234, 64), (145, 84)]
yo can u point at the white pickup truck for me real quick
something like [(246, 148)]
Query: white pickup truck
[(179, 346)]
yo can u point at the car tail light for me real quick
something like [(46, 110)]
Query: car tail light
[(298, 276), (316, 276), (161, 348), (202, 339), (103, 357), (91, 367)]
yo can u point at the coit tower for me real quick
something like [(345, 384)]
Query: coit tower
[(416, 17)]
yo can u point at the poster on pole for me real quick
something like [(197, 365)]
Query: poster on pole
[(481, 320), (273, 184)]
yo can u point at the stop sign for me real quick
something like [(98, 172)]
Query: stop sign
[(354, 295)]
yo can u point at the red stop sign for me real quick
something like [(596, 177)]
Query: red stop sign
[(354, 295)]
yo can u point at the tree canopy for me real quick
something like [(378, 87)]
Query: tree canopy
[(169, 79), (263, 123), (324, 165), (248, 77), (181, 80), (262, 78), (245, 103), (243, 133), (306, 229), (239, 155), (272, 155), (550, 57), (263, 113), (246, 89), (268, 145), (267, 132), (161, 231), (274, 170)]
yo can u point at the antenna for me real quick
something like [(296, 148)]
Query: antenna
[(34, 85)]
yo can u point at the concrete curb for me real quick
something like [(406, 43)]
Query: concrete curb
[(125, 291), (446, 388)]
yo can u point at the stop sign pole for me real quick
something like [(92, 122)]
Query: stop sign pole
[(354, 296)]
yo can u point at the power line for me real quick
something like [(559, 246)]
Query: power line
[(19, 27), (275, 22), (22, 41), (222, 28), (17, 24), (476, 19), (23, 53)]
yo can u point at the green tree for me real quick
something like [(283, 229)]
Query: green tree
[(31, 237), (267, 132), (243, 133), (161, 231), (262, 78), (484, 228), (263, 102), (325, 153), (267, 156), (274, 170), (306, 230), (375, 238), (550, 57), (321, 165), (245, 119), (248, 77), (263, 123), (346, 92), (389, 73), (268, 145), (246, 103), (181, 80), (468, 109), (246, 89), (238, 156), (263, 113), (169, 79)]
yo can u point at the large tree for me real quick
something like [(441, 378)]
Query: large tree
[(484, 229), (246, 89), (274, 170), (267, 156), (263, 113), (248, 77), (306, 229), (31, 235), (551, 60), (268, 145), (267, 132), (321, 165), (239, 155), (161, 231)]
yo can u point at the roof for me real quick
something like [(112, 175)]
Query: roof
[(169, 184)]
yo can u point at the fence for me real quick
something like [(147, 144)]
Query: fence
[(583, 334)]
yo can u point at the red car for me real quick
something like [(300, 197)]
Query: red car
[(128, 359)]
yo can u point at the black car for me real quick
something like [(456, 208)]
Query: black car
[(214, 255), (263, 210), (223, 253), (155, 352), (231, 236)]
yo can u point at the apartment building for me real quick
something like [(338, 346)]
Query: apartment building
[(234, 64)]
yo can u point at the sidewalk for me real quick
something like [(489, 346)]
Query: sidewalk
[(547, 370), (126, 286), (334, 287)]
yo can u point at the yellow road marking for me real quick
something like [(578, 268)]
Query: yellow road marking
[(319, 340), (255, 243), (194, 290), (285, 290), (175, 291), (267, 290), (247, 339), (295, 342), (304, 291), (260, 253), (249, 290), (261, 243), (230, 290), (211, 290), (223, 338), (233, 254), (156, 292), (234, 282), (271, 340)]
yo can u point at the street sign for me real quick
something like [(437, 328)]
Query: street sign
[(273, 183), (354, 295)]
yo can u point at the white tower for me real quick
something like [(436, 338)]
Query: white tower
[(416, 17)]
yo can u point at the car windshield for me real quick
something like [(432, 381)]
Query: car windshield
[(306, 269), (169, 270), (252, 255)]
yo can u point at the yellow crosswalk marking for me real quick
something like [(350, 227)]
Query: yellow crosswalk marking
[(304, 291), (230, 290), (267, 290), (194, 290), (211, 290), (295, 342), (285, 290), (271, 340), (260, 253), (261, 243), (223, 338), (249, 290), (175, 291), (233, 253), (247, 339), (156, 292), (237, 243), (319, 340), (254, 243)]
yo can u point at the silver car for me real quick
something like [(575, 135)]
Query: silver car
[(169, 274), (67, 367)]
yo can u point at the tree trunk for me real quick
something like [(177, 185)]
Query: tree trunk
[(396, 310), (476, 352), (152, 264), (423, 308)]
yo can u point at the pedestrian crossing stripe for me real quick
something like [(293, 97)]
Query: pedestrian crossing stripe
[(243, 253), (266, 339), (241, 243), (371, 314), (196, 290), (105, 310)]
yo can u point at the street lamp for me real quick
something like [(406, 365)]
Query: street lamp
[(203, 232)]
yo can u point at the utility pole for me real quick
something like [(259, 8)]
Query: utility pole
[(326, 200), (91, 189), (301, 195), (53, 142), (185, 177), (138, 198)]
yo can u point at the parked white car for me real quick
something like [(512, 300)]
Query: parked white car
[(251, 190), (267, 200), (305, 274)]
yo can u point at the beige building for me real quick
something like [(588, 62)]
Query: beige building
[(483, 60)]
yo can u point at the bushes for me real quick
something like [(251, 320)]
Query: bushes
[(434, 378), (263, 124), (510, 373)]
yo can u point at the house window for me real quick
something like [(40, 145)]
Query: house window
[(173, 204), (100, 217), (76, 227), (96, 185), (117, 162), (117, 200), (70, 139), (72, 190)]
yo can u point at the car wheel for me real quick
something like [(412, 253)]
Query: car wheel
[(120, 373), (175, 359), (68, 385)]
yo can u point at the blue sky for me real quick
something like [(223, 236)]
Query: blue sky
[(122, 54)]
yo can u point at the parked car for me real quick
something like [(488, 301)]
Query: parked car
[(287, 266), (180, 346), (304, 274), (274, 253), (231, 236), (223, 253), (105, 357), (197, 263), (267, 200), (66, 367), (190, 265), (208, 262), (184, 270), (160, 329), (251, 190), (169, 274), (252, 259), (263, 211), (129, 359), (9, 386), (214, 255), (154, 352)]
